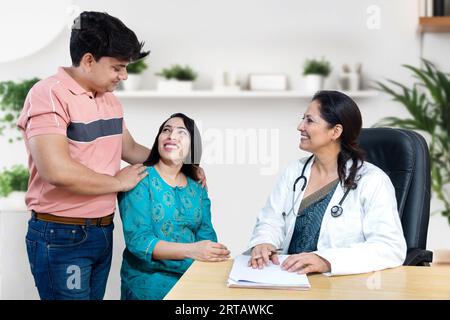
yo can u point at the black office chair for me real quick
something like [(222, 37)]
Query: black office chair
[(403, 155)]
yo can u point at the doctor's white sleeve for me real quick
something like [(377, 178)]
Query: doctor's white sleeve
[(270, 223), (384, 245)]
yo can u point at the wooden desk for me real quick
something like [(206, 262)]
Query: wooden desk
[(208, 281)]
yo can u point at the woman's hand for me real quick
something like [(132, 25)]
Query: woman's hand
[(306, 263), (208, 251), (262, 254)]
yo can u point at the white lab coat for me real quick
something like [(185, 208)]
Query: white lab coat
[(368, 236)]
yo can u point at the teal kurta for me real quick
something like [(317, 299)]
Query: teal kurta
[(155, 211)]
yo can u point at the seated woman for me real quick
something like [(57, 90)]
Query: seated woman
[(166, 217), (331, 212)]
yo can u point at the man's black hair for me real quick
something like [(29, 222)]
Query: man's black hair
[(103, 35)]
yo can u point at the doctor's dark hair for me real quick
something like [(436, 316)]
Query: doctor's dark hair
[(192, 160), (103, 35), (338, 108)]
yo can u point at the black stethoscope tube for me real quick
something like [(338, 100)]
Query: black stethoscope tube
[(336, 210)]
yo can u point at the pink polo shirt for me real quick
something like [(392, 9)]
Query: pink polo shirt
[(93, 127)]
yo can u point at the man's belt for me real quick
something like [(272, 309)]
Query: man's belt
[(102, 221)]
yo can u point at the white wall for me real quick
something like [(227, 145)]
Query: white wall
[(251, 36)]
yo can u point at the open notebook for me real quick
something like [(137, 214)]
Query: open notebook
[(270, 277)]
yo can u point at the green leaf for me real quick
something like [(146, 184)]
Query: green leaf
[(178, 72), (137, 67), (314, 66), (428, 104), (14, 179), (12, 99)]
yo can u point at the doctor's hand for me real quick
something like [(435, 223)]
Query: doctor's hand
[(306, 263), (262, 254), (208, 251)]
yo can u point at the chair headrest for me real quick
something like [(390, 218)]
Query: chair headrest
[(404, 156), (393, 151)]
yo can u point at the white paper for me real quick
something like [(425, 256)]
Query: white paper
[(271, 275)]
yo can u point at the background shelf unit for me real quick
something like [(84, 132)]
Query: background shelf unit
[(149, 94), (434, 24)]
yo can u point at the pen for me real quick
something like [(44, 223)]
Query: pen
[(270, 253)]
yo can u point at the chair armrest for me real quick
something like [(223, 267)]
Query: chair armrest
[(418, 257)]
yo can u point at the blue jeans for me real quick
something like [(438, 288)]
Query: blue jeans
[(69, 262)]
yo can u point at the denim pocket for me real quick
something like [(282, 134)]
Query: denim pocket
[(108, 234), (36, 229), (65, 236), (31, 250)]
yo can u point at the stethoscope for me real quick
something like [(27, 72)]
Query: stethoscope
[(336, 210)]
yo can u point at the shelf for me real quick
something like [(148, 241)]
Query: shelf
[(434, 24), (232, 95)]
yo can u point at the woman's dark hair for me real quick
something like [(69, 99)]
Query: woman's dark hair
[(338, 108), (192, 160), (102, 35)]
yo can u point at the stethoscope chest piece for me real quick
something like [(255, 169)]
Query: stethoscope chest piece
[(336, 211)]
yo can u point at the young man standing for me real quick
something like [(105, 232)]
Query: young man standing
[(75, 138)]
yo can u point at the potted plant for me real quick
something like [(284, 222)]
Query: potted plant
[(13, 184), (134, 70), (315, 71), (176, 79), (428, 103), (12, 98)]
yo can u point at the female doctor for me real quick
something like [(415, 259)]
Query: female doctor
[(332, 212)]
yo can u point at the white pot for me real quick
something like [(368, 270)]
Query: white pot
[(174, 85), (354, 81), (133, 82), (313, 83), (14, 202)]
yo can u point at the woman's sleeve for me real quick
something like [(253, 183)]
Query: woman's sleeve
[(384, 245), (206, 230), (135, 212)]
